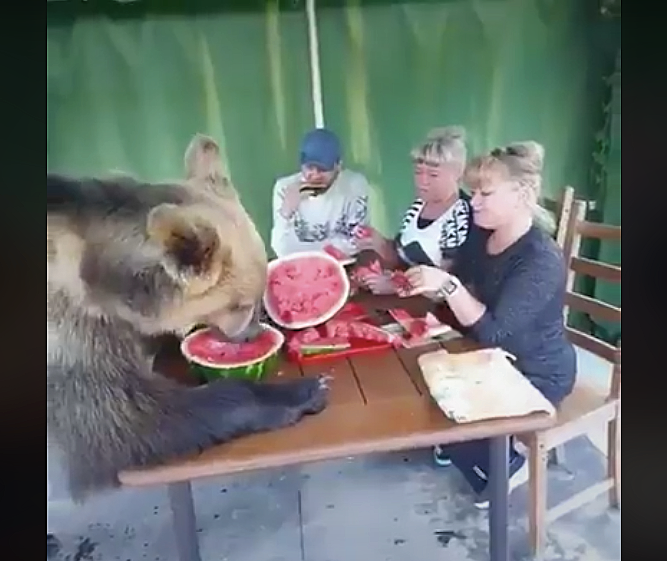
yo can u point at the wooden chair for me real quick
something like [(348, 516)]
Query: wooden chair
[(560, 208), (587, 407), (563, 212)]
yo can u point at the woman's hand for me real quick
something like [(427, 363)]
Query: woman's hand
[(378, 284), (426, 280)]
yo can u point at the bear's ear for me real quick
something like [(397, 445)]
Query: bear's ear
[(194, 254), (204, 167)]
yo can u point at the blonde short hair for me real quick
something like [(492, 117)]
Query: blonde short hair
[(519, 162), (444, 145)]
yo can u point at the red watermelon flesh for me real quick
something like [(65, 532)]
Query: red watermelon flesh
[(335, 252), (373, 268), (357, 330), (363, 271), (206, 346), (362, 232), (305, 289), (304, 337), (351, 311), (417, 328), (401, 283)]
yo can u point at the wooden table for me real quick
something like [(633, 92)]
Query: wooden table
[(379, 403)]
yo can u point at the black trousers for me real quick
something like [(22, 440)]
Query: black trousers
[(472, 458)]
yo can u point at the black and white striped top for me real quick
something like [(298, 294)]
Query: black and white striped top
[(429, 242)]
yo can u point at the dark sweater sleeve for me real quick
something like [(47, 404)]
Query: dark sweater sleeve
[(533, 282), (462, 261)]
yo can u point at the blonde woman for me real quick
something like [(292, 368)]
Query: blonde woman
[(437, 222), (507, 288)]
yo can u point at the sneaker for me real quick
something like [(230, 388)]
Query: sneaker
[(519, 477), (441, 457)]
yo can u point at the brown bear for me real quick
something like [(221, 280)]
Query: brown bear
[(129, 260)]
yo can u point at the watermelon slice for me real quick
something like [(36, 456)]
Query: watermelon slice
[(373, 268), (416, 328), (362, 271), (358, 330), (335, 252), (435, 326), (212, 358), (324, 345), (305, 289), (401, 283), (362, 232), (351, 311)]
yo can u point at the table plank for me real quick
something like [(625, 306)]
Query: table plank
[(382, 376), (408, 358), (344, 386), (287, 370)]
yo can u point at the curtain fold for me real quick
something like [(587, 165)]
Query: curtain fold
[(126, 88), (128, 95)]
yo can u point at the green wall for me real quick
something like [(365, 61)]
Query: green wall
[(127, 85)]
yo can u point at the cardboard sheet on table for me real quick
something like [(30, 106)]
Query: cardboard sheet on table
[(480, 385)]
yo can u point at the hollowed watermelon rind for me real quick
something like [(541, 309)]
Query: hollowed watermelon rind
[(255, 370), (315, 349), (275, 317)]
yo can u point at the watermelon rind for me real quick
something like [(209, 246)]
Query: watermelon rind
[(315, 349), (254, 370), (322, 318)]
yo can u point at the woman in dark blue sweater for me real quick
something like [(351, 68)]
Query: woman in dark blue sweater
[(507, 289)]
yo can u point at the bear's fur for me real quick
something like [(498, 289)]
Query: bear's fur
[(129, 260)]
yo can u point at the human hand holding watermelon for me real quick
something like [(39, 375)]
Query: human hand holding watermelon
[(363, 232), (292, 198), (424, 279), (378, 283), (368, 238), (402, 283)]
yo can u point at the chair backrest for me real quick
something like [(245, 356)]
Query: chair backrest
[(566, 201), (561, 209), (579, 228)]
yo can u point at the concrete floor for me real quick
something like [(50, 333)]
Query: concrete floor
[(391, 507)]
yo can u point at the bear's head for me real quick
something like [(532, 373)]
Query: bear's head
[(216, 263), (211, 250), (164, 257)]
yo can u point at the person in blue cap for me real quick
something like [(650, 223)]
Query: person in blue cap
[(322, 204)]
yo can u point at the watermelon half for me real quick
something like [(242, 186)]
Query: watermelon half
[(211, 358), (305, 289)]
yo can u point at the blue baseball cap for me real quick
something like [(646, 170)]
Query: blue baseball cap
[(321, 148)]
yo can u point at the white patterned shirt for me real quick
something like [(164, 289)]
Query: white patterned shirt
[(329, 218), (437, 241)]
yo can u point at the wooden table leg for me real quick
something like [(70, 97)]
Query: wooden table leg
[(185, 525), (499, 499)]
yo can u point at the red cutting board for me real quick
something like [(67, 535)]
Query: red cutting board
[(351, 311)]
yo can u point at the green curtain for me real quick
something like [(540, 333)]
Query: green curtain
[(128, 84), (128, 94), (506, 70)]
